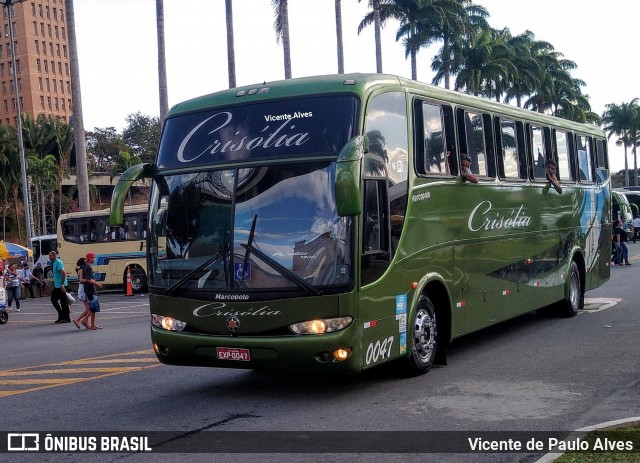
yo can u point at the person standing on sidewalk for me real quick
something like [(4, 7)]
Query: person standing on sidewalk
[(59, 293), (620, 240), (636, 228)]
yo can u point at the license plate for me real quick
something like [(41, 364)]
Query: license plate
[(232, 353)]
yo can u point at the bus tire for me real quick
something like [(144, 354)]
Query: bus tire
[(424, 338), (574, 293), (138, 281), (4, 317)]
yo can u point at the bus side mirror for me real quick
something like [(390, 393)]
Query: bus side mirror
[(348, 167), (119, 195)]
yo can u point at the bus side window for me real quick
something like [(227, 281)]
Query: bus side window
[(538, 150), (602, 169), (583, 147), (564, 164), (471, 133), (507, 149), (431, 152)]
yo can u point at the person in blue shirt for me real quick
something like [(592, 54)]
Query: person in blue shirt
[(59, 293)]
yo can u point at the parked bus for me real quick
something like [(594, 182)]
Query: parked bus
[(322, 224), (118, 249), (621, 210), (633, 196), (42, 245)]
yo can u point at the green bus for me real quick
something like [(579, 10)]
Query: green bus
[(322, 224)]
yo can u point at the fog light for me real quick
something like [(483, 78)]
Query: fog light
[(156, 349), (339, 355)]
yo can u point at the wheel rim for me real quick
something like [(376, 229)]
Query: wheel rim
[(136, 282), (574, 290), (4, 317), (424, 337)]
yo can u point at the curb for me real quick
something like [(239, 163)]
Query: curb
[(605, 426)]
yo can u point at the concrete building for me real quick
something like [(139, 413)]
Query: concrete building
[(42, 61)]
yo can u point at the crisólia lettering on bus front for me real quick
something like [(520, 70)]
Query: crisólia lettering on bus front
[(216, 309), (275, 139), (482, 218)]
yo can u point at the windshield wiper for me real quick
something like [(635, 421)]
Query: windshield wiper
[(188, 276), (284, 271)]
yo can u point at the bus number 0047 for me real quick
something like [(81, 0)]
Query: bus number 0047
[(379, 351)]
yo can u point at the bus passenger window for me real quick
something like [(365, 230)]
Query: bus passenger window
[(509, 150), (564, 166), (474, 143), (584, 158), (538, 152)]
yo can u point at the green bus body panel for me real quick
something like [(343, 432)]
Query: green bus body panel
[(486, 252)]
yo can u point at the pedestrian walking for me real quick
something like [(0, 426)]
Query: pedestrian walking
[(12, 286), (89, 289), (636, 228), (59, 293)]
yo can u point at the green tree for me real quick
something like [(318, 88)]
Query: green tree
[(45, 175), (142, 136), (103, 145), (9, 169), (620, 120)]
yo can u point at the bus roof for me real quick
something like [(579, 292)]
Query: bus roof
[(361, 85)]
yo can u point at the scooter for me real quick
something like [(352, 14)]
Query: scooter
[(4, 315)]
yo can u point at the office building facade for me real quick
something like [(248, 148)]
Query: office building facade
[(42, 61)]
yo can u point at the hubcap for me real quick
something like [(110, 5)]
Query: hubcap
[(424, 336), (574, 290)]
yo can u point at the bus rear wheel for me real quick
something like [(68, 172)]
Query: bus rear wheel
[(424, 338), (574, 298), (138, 281)]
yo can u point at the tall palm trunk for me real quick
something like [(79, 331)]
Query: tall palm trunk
[(339, 37), (162, 62), (377, 28), (626, 167), (78, 121), (284, 11), (231, 56)]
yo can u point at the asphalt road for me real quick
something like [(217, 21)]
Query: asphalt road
[(529, 374)]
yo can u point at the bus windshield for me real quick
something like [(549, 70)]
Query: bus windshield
[(255, 230)]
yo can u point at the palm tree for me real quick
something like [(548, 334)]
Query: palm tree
[(525, 79), (620, 120), (162, 62), (44, 173), (374, 17), (281, 25), (231, 56), (339, 42), (78, 121), (9, 169), (459, 22)]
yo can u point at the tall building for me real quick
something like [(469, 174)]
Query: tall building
[(42, 61)]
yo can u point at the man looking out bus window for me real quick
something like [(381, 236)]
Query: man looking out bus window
[(552, 167), (465, 170)]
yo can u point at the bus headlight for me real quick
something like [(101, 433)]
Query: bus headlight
[(321, 326), (167, 323)]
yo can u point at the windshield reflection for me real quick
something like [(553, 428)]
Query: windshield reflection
[(271, 228)]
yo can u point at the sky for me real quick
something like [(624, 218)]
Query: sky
[(117, 47)]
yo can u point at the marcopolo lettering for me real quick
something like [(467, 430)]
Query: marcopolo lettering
[(231, 297)]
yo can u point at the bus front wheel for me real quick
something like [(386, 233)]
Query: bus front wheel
[(138, 281), (424, 338)]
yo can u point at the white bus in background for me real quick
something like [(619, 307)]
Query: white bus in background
[(42, 245)]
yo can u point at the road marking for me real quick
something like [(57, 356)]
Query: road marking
[(56, 374), (596, 304)]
